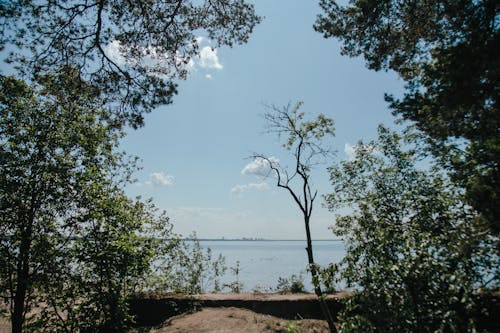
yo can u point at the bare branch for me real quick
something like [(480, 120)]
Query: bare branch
[(304, 139)]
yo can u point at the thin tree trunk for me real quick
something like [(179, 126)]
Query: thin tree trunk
[(22, 272), (315, 279), (21, 283)]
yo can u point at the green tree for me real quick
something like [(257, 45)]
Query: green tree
[(51, 141), (448, 54), (304, 140), (70, 240), (156, 40), (414, 256), (102, 266)]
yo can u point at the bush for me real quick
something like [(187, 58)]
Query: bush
[(294, 284)]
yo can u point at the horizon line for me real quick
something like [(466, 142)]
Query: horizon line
[(257, 239)]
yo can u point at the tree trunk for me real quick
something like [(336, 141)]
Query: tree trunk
[(22, 271), (315, 279), (21, 283)]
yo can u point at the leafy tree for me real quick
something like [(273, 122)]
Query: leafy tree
[(51, 142), (72, 245), (448, 54), (303, 139), (414, 256), (105, 262), (156, 40)]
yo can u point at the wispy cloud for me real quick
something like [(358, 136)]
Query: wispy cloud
[(195, 212), (239, 189), (260, 166), (212, 222), (160, 179)]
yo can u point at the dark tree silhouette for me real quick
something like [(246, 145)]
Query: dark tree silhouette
[(304, 141)]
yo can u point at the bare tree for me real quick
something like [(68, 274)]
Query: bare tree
[(304, 140)]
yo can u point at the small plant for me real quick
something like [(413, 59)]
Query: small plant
[(290, 328), (259, 289), (294, 284), (188, 268), (235, 286), (329, 278)]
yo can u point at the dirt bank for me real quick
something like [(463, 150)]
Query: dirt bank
[(150, 310), (231, 320)]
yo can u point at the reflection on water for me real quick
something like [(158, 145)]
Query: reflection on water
[(263, 262)]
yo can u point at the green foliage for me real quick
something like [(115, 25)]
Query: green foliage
[(73, 247), (447, 52), (291, 328), (187, 268), (328, 278), (132, 50), (101, 267), (415, 254), (289, 121), (235, 286), (54, 141), (294, 284)]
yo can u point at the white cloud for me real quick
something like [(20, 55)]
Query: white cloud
[(160, 179), (167, 64), (114, 53), (350, 151), (209, 59), (157, 62), (238, 189), (260, 166)]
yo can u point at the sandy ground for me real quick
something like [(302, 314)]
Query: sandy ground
[(231, 319), (225, 320), (4, 325), (234, 320)]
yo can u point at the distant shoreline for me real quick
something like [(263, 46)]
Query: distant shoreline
[(260, 240)]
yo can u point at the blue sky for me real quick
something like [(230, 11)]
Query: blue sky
[(193, 151)]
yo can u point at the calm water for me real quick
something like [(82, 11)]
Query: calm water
[(263, 262)]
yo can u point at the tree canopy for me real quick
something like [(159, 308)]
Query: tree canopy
[(73, 246), (153, 42), (60, 202), (414, 256), (448, 52)]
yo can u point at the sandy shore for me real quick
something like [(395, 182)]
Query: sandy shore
[(233, 320)]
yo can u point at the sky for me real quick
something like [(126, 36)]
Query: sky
[(194, 153)]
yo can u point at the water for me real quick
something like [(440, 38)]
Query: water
[(261, 263)]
